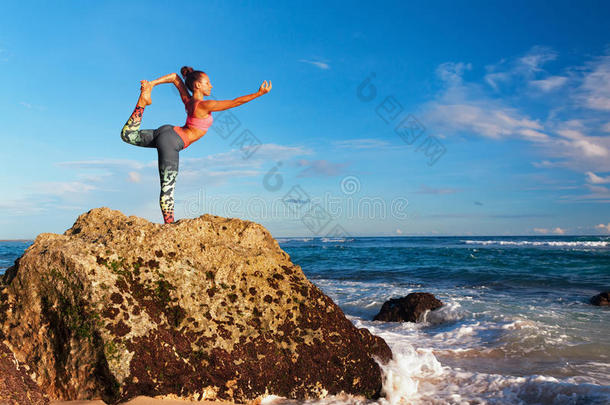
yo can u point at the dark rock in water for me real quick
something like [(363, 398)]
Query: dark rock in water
[(16, 386), (601, 299), (203, 308), (409, 308)]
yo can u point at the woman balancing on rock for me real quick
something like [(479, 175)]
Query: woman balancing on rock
[(170, 139)]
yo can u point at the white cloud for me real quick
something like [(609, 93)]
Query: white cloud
[(134, 177), (598, 194), (452, 72), (60, 188), (232, 165), (95, 175), (484, 119), (220, 166), (576, 149), (536, 57), (587, 146), (321, 65), (595, 87), (543, 163), (99, 177), (595, 179), (545, 231), (362, 143), (211, 177), (603, 227), (30, 106), (22, 206), (468, 108), (519, 69), (235, 158), (550, 83), (4, 55), (533, 135), (320, 168), (108, 163)]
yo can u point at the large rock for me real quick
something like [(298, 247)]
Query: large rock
[(208, 307), (602, 299), (410, 308)]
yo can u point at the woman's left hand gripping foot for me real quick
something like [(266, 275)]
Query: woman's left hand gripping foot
[(145, 90)]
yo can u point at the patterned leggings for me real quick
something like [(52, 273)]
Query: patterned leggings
[(168, 144)]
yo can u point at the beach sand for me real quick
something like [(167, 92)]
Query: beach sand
[(144, 400)]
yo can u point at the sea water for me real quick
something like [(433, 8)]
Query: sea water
[(516, 326)]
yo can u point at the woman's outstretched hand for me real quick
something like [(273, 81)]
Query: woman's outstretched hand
[(265, 87)]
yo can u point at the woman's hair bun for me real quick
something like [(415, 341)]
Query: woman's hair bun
[(185, 70)]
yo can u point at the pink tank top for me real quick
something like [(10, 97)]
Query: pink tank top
[(199, 123)]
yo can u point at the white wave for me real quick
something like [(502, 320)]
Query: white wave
[(417, 377), (450, 311), (341, 240), (282, 240), (539, 243)]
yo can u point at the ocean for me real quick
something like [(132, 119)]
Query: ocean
[(516, 326)]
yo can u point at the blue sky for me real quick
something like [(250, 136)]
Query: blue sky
[(432, 118)]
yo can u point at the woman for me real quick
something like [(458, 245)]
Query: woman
[(169, 139)]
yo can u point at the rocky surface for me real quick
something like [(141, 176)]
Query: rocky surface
[(407, 309), (601, 299), (16, 386), (203, 308)]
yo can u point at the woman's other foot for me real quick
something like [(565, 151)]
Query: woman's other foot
[(145, 89)]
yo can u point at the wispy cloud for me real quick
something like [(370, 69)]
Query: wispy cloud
[(93, 177), (522, 69), (321, 65), (107, 163), (32, 106), (222, 167), (595, 179), (594, 90), (484, 215), (42, 197), (597, 194), (550, 83), (362, 143), (265, 153), (495, 107), (481, 117), (603, 227), (22, 206), (320, 168), (451, 72), (554, 231), (209, 177), (134, 177), (4, 55), (60, 188)]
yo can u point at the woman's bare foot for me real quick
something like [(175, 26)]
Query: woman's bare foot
[(145, 89)]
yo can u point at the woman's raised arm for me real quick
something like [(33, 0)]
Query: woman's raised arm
[(219, 105)]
